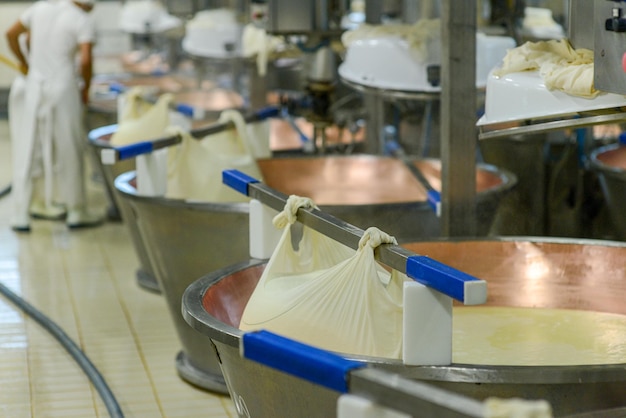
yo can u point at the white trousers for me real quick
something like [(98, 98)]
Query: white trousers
[(48, 140)]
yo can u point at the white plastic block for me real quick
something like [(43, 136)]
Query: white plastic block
[(198, 113), (352, 406), (475, 292), (152, 173), (264, 236), (108, 156), (427, 326)]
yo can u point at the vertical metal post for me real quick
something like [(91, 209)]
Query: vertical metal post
[(257, 86), (373, 11), (321, 18), (458, 118), (410, 11), (579, 29), (375, 107)]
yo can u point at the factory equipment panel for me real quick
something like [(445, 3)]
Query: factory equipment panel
[(609, 23)]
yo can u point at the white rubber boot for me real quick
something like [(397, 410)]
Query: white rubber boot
[(20, 223), (81, 218), (39, 209)]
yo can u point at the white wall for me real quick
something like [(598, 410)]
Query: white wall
[(111, 40)]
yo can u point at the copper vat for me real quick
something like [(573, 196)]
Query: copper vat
[(577, 274), (367, 190)]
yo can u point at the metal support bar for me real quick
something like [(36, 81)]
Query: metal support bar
[(454, 283), (580, 120), (408, 396), (349, 376), (458, 114), (432, 195), (115, 154)]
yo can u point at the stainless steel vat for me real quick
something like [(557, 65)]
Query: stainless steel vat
[(577, 274), (102, 111), (525, 211), (609, 162), (175, 233), (98, 140), (552, 196)]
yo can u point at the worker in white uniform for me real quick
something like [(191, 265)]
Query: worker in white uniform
[(50, 136)]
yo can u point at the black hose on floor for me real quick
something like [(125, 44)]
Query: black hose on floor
[(5, 191), (83, 361)]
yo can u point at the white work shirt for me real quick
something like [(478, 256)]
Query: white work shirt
[(57, 28)]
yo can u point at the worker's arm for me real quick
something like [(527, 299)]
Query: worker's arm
[(86, 68), (12, 35)]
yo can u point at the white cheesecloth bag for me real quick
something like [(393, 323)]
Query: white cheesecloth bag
[(140, 120), (561, 66), (194, 168), (328, 295)]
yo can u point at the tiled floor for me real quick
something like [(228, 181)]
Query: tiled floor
[(85, 281)]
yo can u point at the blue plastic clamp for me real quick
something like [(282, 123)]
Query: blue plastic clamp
[(185, 109), (438, 276), (237, 180), (133, 150), (312, 364), (434, 200), (267, 112), (117, 88)]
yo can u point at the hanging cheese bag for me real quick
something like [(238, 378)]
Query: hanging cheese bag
[(328, 295), (140, 120), (195, 166)]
